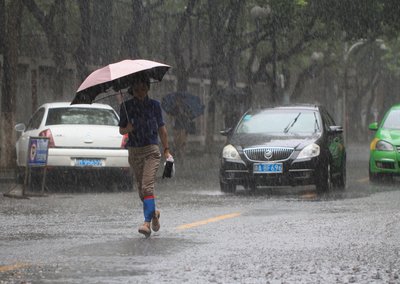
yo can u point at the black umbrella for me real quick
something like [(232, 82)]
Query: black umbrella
[(182, 102)]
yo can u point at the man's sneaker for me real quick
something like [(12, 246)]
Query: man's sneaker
[(155, 222), (145, 229)]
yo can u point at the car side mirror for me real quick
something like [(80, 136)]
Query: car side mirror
[(20, 127), (226, 132), (335, 129), (373, 126)]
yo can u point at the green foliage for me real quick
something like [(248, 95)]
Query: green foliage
[(302, 3), (315, 25), (392, 56)]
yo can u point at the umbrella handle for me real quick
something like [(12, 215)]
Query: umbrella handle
[(123, 102)]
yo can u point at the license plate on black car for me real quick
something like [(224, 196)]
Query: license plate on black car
[(261, 168), (89, 162)]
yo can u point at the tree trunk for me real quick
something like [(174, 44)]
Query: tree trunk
[(9, 90), (102, 32), (232, 39), (182, 72), (82, 54), (2, 25), (58, 41), (215, 27), (53, 24), (133, 36)]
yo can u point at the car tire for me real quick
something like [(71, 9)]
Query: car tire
[(341, 180), (227, 187), (324, 180)]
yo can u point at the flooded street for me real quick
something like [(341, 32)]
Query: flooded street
[(302, 96), (288, 235)]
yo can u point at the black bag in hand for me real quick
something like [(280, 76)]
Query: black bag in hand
[(168, 169)]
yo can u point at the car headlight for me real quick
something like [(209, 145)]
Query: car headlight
[(382, 145), (309, 151), (230, 152)]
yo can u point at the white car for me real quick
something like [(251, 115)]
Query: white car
[(84, 143)]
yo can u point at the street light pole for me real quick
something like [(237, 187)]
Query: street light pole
[(346, 54)]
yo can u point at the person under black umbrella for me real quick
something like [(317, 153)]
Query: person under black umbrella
[(141, 117), (184, 108)]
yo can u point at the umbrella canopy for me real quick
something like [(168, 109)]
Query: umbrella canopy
[(117, 76), (182, 102)]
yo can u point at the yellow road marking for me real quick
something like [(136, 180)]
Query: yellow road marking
[(210, 220), (363, 180), (16, 266)]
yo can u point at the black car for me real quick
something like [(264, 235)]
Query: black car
[(284, 146)]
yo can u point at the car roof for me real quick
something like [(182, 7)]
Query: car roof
[(395, 106), (68, 104), (291, 107)]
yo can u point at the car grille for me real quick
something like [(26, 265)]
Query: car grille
[(268, 153), (398, 148), (385, 165)]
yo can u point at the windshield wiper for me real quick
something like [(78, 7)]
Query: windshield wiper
[(316, 124), (291, 123)]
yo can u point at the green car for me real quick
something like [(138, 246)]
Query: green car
[(384, 157)]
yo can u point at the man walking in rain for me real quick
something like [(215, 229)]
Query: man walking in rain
[(141, 118)]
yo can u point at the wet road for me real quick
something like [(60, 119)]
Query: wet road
[(286, 235)]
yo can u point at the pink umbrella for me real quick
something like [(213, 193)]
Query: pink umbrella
[(117, 76)]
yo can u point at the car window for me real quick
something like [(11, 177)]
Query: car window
[(392, 120), (327, 119), (36, 119), (72, 115), (293, 121)]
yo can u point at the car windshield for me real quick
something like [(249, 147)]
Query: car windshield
[(70, 115), (392, 121), (280, 122)]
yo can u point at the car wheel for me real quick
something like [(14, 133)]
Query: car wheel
[(124, 186), (227, 187), (324, 180), (341, 181)]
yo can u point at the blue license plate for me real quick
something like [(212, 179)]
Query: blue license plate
[(268, 168), (89, 162)]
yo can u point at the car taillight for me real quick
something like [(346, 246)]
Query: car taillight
[(125, 138), (47, 133)]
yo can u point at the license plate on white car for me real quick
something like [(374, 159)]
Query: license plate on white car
[(261, 168), (89, 163)]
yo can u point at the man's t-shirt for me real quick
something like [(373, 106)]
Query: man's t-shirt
[(146, 118)]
